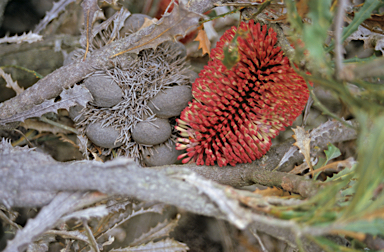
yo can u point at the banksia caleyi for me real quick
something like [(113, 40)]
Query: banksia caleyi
[(236, 112)]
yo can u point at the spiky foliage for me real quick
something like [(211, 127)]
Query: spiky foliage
[(236, 112)]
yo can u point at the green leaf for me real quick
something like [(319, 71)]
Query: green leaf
[(360, 60), (294, 17), (370, 169), (231, 49), (320, 163), (344, 174), (316, 32), (328, 245), (349, 191), (332, 152), (373, 227), (231, 56), (360, 16)]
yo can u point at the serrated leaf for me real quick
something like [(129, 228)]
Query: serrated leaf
[(360, 16), (370, 167), (347, 173), (332, 152), (204, 42), (287, 155), (29, 37), (133, 214), (373, 227), (75, 235), (348, 192), (148, 22), (329, 245), (328, 126), (10, 83), (370, 39), (92, 240), (320, 163), (97, 211), (42, 244), (303, 142), (52, 14), (78, 95), (178, 23), (111, 239), (167, 245), (160, 230), (118, 22), (336, 166), (117, 205)]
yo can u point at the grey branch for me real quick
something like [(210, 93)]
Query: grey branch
[(28, 174), (339, 24), (63, 203), (68, 75), (30, 178)]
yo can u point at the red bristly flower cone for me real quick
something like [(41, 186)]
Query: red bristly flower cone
[(236, 112)]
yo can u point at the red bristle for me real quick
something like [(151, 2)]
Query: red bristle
[(236, 112)]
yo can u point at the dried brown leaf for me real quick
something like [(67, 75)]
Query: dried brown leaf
[(302, 8), (336, 166), (272, 191), (300, 169), (148, 22), (43, 127), (204, 42), (371, 39), (79, 94), (303, 141), (171, 26)]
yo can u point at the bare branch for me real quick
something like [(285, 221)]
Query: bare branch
[(24, 171), (339, 24), (47, 217), (32, 186), (68, 75)]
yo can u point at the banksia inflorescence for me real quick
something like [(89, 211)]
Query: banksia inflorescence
[(236, 111)]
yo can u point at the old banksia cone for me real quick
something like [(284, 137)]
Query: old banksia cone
[(135, 99), (236, 111)]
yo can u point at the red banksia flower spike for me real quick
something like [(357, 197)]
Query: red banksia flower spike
[(236, 112)]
